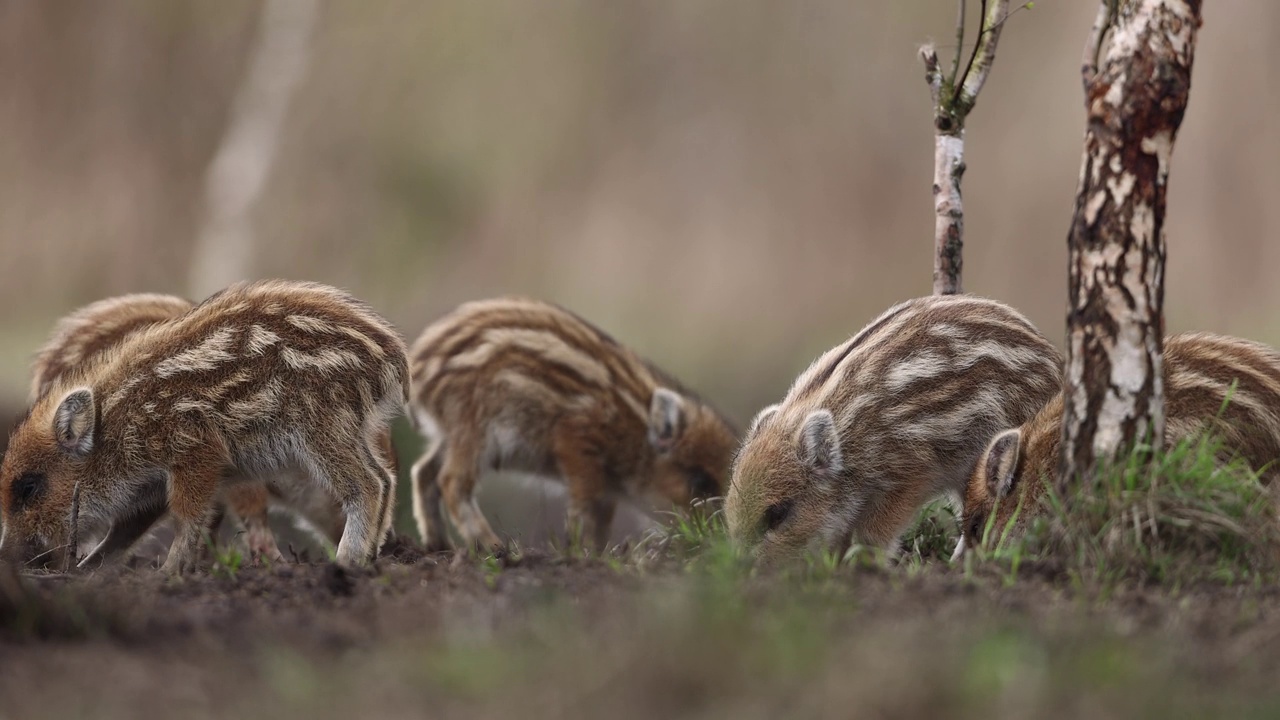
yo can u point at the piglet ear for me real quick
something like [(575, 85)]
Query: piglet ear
[(761, 418), (819, 443), (666, 419), (73, 422), (1001, 463)]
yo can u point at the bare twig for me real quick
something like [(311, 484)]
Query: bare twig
[(984, 55), (952, 102), (35, 559), (955, 61), (1024, 6), (73, 543), (961, 48), (958, 83), (932, 75)]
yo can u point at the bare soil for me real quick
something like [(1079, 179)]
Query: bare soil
[(543, 635)]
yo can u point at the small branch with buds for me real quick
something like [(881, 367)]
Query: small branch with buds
[(954, 95)]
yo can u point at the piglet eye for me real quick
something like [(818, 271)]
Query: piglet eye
[(776, 514), (26, 487)]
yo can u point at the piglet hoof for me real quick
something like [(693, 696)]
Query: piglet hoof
[(262, 547), (177, 566)]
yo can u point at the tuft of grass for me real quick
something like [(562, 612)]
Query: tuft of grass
[(492, 568), (698, 542), (1001, 545), (1177, 517), (688, 534), (829, 570), (933, 535), (226, 561)]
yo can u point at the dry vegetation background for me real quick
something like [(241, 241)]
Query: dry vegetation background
[(730, 185)]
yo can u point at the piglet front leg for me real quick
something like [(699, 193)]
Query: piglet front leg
[(191, 503)]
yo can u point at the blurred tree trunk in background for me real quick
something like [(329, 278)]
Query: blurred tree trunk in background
[(223, 250), (1115, 324)]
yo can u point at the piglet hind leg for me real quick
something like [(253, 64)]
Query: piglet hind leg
[(363, 488), (249, 501), (458, 475), (591, 520), (192, 493), (386, 468), (427, 500)]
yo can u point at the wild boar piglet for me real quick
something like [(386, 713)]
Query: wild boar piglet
[(1215, 384), (517, 384), (271, 381), (879, 425), (80, 337)]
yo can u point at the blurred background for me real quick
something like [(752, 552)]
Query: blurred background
[(731, 186)]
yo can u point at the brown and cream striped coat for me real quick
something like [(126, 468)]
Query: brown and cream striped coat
[(883, 423), (1200, 371), (525, 385), (263, 380), (79, 338)]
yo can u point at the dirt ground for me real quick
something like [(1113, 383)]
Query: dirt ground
[(544, 635)]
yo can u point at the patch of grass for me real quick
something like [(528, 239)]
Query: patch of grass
[(827, 573), (688, 535), (569, 544), (1178, 517), (933, 535), (492, 566), (1003, 546), (227, 561)]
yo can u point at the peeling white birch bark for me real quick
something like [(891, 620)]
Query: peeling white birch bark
[(1135, 98)]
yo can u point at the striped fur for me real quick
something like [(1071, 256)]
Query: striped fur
[(524, 385), (82, 336), (266, 381), (884, 422), (1199, 369)]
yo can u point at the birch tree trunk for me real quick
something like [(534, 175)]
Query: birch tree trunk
[(238, 173), (953, 97), (1115, 323)]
